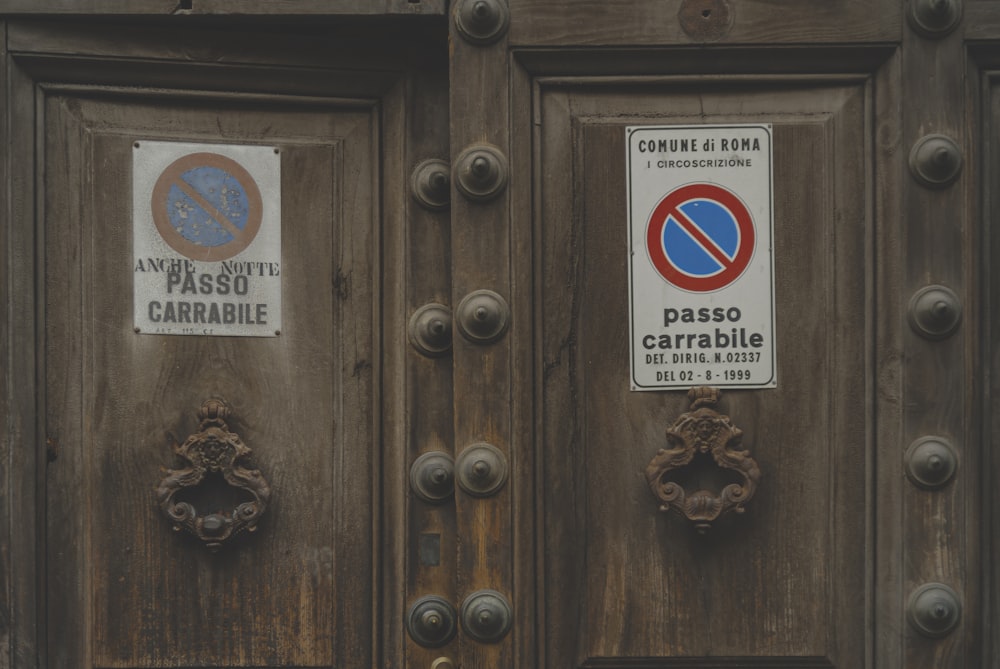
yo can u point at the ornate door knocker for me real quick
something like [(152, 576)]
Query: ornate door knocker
[(214, 497), (700, 438)]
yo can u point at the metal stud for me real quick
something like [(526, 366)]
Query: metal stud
[(430, 184), (430, 329), (935, 312), (930, 462), (486, 616), (432, 621), (482, 469), (935, 161), (481, 172), (935, 18), (432, 476), (483, 316), (482, 21), (934, 610)]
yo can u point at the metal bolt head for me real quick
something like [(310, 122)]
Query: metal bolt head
[(934, 18), (481, 469), (935, 312), (481, 172), (431, 621), (429, 329), (432, 477), (483, 316), (482, 22), (486, 616), (935, 161), (934, 610), (430, 184), (930, 462)]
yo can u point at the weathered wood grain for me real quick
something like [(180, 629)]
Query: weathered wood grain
[(481, 257), (939, 378), (621, 579), (598, 23), (184, 8)]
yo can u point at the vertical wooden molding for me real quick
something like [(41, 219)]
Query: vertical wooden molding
[(426, 422), (939, 385), (481, 258)]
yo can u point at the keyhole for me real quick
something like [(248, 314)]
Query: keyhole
[(706, 13)]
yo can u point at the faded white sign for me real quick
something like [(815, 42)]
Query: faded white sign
[(206, 224)]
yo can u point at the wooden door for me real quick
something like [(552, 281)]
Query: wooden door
[(870, 539), (843, 546), (105, 573)]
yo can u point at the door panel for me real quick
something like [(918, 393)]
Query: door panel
[(302, 402), (622, 579), (820, 569), (118, 587)]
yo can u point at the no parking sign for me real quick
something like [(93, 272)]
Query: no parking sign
[(701, 268), (206, 237)]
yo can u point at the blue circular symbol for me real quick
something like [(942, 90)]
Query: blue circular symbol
[(211, 198), (700, 237), (207, 207), (717, 223)]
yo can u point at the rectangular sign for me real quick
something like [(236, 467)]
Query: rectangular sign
[(206, 224), (701, 268)]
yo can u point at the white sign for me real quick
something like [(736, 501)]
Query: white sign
[(701, 269), (206, 226)]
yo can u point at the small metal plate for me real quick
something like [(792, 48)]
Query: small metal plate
[(206, 224)]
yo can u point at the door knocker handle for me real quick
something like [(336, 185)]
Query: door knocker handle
[(704, 449), (214, 497)]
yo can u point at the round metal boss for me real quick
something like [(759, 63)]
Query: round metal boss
[(430, 184), (482, 469), (483, 316), (430, 329), (486, 616), (935, 161), (432, 476), (935, 312), (481, 172), (934, 610), (482, 21), (930, 462), (935, 18), (432, 621)]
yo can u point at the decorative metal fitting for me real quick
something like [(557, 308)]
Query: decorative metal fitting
[(214, 497), (935, 18), (705, 20), (432, 621), (934, 610), (430, 329), (935, 161), (935, 312), (481, 172), (930, 462), (432, 477), (486, 616), (706, 435), (482, 469), (430, 184), (483, 316), (482, 21)]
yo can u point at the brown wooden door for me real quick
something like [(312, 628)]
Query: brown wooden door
[(556, 532), (102, 578), (820, 569)]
